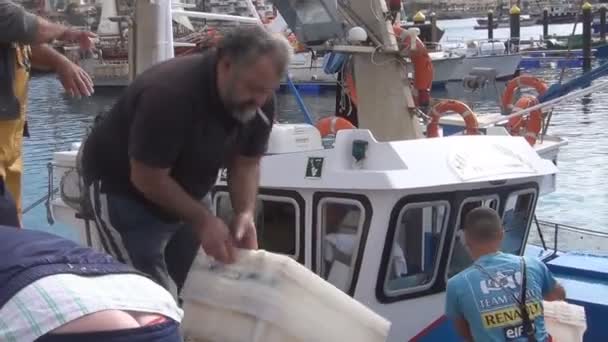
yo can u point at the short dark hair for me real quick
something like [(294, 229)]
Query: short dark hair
[(483, 224), (244, 44)]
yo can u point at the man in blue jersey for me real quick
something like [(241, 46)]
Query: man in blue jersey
[(485, 300)]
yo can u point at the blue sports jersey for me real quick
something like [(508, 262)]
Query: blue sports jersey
[(483, 296)]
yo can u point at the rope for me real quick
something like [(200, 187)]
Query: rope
[(561, 74), (552, 103), (40, 201), (300, 101)]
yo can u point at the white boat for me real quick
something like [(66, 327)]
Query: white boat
[(484, 54), (110, 73), (445, 64), (114, 71), (378, 211), (305, 68), (397, 183), (304, 71), (506, 66)]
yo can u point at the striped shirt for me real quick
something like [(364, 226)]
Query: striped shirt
[(59, 299)]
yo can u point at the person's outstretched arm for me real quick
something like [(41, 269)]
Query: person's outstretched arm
[(19, 26)]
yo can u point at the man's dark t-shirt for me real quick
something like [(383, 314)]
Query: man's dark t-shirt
[(171, 116)]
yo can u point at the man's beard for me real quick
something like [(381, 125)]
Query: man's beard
[(243, 111), (243, 115)]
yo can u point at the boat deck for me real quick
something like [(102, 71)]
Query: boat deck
[(585, 278)]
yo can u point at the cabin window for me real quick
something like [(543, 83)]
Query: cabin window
[(276, 219), (460, 257), (516, 220), (416, 247), (341, 224)]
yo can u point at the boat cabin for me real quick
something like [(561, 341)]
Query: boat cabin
[(381, 220)]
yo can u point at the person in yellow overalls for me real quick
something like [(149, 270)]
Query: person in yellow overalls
[(23, 38)]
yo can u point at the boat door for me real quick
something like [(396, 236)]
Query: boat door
[(423, 248)]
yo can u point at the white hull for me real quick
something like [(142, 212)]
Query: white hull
[(444, 65), (505, 65), (107, 74), (303, 69)]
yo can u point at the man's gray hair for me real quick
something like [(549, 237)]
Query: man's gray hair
[(483, 224), (244, 44)]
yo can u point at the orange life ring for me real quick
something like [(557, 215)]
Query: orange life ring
[(439, 110), (332, 124), (516, 83), (533, 124), (423, 65)]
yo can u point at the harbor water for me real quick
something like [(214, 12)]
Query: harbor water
[(581, 199)]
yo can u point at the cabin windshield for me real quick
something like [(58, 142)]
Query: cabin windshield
[(517, 214), (425, 245), (517, 217)]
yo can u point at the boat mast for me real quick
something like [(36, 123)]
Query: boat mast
[(385, 102)]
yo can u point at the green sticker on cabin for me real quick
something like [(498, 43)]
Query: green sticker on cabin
[(314, 167), (223, 175)]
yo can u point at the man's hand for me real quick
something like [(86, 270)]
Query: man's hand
[(243, 228), (83, 38), (215, 238), (74, 79)]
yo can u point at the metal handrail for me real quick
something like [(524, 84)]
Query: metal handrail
[(551, 103), (558, 230)]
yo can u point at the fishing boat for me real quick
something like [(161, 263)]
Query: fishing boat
[(109, 65), (503, 22), (559, 12), (377, 210), (483, 53)]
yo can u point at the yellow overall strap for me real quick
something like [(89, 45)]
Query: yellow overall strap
[(11, 131)]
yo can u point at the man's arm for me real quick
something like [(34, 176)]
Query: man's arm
[(46, 58), (244, 170), (244, 175), (157, 185), (18, 25), (453, 310), (75, 80), (462, 327), (243, 181), (558, 293), (552, 290)]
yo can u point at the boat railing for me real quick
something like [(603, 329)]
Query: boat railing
[(175, 10), (557, 237), (480, 45), (546, 106)]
